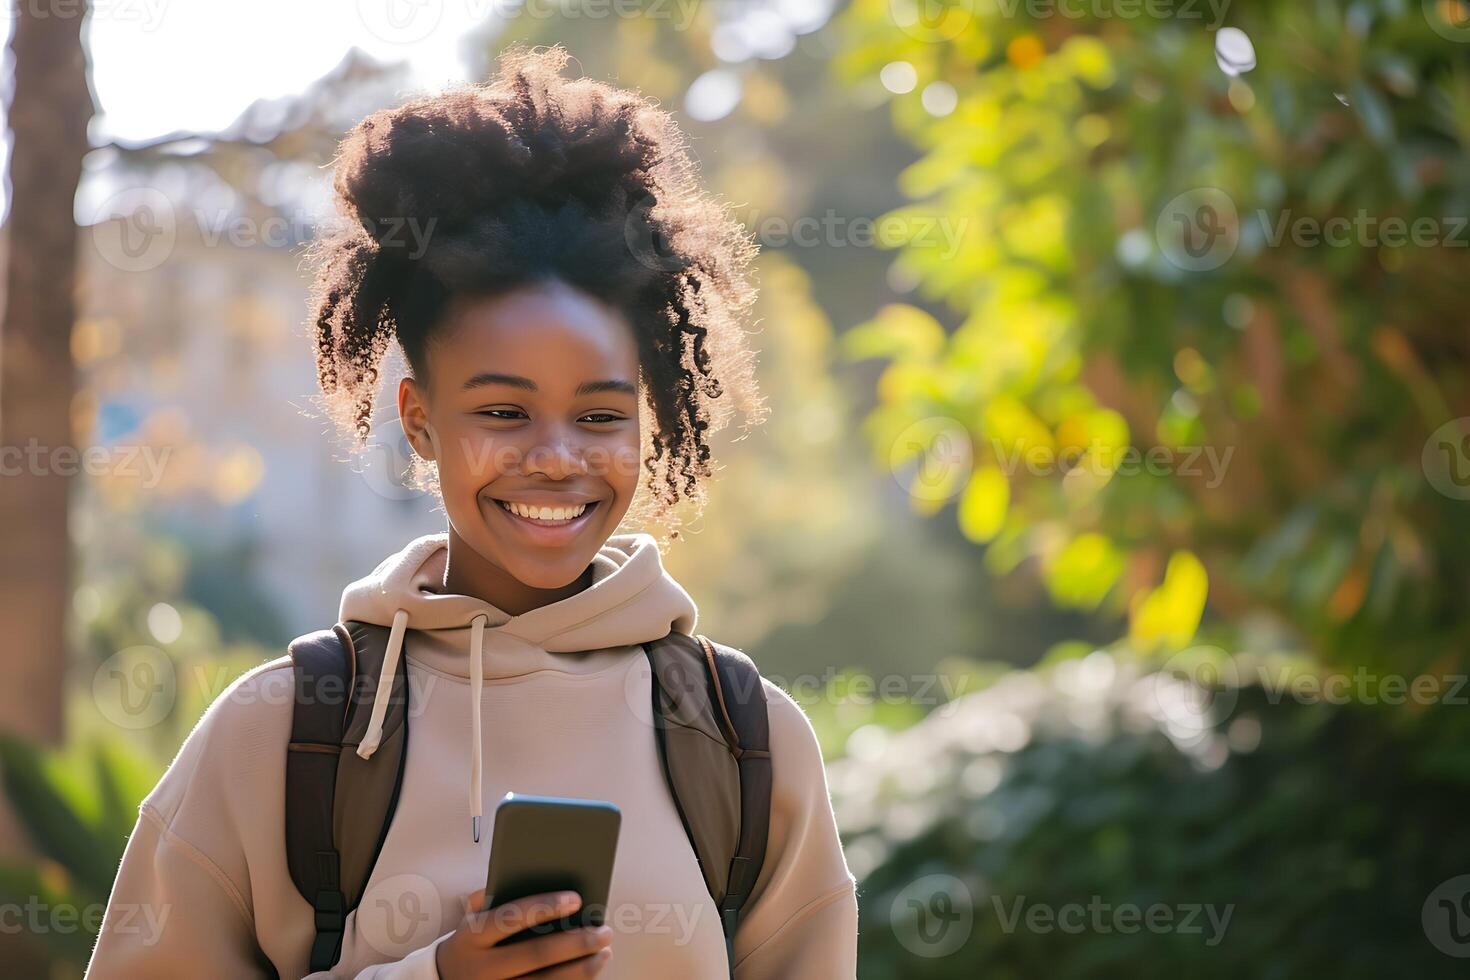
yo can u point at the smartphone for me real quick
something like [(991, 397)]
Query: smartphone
[(547, 844)]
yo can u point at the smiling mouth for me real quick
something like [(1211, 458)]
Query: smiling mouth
[(561, 516)]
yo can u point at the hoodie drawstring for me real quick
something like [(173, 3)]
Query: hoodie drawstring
[(477, 687), (374, 734)]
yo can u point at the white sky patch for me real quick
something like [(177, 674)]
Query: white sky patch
[(165, 65)]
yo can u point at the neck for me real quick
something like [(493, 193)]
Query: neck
[(466, 572)]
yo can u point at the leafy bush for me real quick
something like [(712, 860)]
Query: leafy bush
[(78, 808), (1322, 829)]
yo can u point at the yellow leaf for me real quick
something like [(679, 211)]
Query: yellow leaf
[(1082, 573), (1171, 613), (899, 331), (984, 503)]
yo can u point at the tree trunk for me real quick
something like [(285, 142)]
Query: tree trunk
[(48, 117)]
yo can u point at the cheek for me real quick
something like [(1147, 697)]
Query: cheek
[(471, 458), (619, 461)]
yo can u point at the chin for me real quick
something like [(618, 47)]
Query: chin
[(538, 575)]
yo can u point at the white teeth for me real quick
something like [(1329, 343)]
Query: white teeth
[(544, 513)]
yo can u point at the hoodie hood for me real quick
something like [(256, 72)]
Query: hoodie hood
[(631, 600)]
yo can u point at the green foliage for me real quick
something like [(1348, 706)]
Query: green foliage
[(1322, 828), (1137, 280), (77, 808)]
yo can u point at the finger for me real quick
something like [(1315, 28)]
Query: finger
[(490, 927), (551, 950), (474, 901), (587, 966)]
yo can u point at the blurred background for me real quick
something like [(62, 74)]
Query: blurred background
[(1107, 523)]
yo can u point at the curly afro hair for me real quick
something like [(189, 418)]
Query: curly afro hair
[(526, 178)]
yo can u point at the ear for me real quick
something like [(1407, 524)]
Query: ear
[(413, 413)]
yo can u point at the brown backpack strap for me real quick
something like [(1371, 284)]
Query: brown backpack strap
[(713, 734), (339, 806)]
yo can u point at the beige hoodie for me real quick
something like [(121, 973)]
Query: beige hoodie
[(563, 690)]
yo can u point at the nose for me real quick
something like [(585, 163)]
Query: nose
[(557, 456)]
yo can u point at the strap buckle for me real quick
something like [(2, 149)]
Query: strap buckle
[(331, 921), (331, 914)]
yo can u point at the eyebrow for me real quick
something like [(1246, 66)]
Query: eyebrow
[(516, 381)]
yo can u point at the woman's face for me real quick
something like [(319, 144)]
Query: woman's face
[(532, 416)]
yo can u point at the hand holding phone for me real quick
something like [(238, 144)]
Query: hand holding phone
[(546, 844), (477, 949)]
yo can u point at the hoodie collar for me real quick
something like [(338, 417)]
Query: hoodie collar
[(631, 600)]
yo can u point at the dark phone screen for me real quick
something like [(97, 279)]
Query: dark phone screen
[(548, 844)]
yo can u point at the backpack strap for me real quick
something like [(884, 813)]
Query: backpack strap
[(713, 734), (339, 806)]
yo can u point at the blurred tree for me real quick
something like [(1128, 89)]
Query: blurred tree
[(1161, 384), (50, 107)]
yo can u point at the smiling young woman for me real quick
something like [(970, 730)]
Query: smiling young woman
[(571, 307)]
